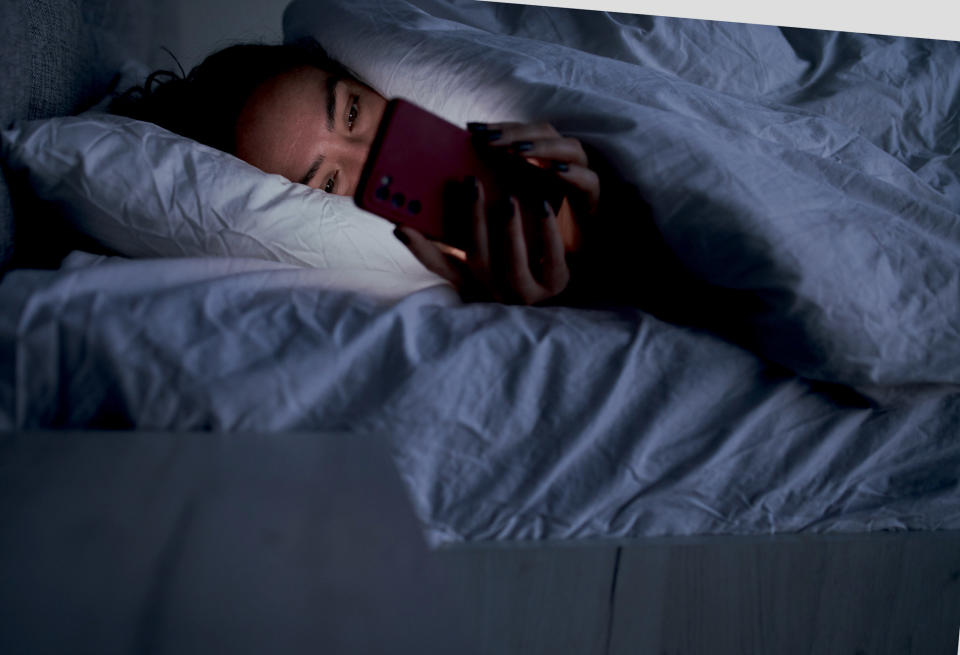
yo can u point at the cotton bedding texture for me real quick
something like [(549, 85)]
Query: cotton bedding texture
[(816, 170)]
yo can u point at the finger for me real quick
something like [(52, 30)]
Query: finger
[(450, 251), (504, 133), (554, 272), (479, 257), (429, 255), (581, 178), (521, 280), (565, 150)]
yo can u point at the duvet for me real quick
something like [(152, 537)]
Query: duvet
[(505, 422), (816, 171)]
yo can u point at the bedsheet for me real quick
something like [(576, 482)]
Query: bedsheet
[(818, 172), (505, 422)]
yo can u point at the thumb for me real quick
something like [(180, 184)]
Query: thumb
[(429, 254)]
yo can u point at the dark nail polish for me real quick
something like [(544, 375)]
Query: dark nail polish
[(404, 239), (561, 166), (488, 135), (521, 146), (477, 127), (545, 210)]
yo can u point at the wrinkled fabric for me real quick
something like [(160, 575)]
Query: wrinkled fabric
[(505, 422), (818, 171), (560, 423), (143, 191)]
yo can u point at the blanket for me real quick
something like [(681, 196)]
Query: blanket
[(560, 423), (818, 172), (505, 422)]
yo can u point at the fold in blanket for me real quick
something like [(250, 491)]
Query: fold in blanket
[(817, 172), (506, 422)]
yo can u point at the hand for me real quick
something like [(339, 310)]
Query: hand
[(496, 265), (543, 146)]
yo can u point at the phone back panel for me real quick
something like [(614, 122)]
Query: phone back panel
[(418, 159), (412, 162)]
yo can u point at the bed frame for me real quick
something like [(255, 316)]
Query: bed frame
[(870, 594), (185, 542)]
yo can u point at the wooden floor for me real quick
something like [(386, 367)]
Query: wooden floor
[(851, 595)]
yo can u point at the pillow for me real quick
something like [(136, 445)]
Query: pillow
[(143, 191)]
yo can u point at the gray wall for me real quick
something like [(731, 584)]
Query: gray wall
[(208, 25)]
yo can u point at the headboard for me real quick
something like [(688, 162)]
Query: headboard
[(60, 57)]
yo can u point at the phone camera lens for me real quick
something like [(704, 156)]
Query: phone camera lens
[(386, 180), (382, 193), (398, 200), (414, 207)]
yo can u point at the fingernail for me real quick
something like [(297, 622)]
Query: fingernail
[(561, 166), (521, 146), (404, 239), (486, 136), (477, 127), (547, 210)]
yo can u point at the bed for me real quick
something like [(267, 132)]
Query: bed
[(838, 411), (179, 360)]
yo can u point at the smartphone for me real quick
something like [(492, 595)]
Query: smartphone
[(416, 162)]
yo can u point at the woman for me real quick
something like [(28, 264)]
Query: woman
[(293, 111)]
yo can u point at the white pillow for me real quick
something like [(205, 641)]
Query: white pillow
[(144, 191)]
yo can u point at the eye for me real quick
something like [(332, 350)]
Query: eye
[(354, 110), (331, 183)]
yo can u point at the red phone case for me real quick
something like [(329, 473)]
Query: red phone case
[(417, 158)]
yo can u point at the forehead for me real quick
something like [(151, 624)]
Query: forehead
[(281, 125)]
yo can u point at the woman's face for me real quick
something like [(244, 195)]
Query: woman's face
[(310, 127)]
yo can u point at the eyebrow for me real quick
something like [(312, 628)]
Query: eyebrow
[(330, 91), (331, 88), (314, 167)]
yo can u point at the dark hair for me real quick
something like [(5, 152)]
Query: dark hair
[(205, 104)]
